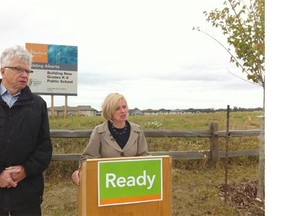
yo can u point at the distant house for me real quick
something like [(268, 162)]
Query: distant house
[(150, 112), (164, 111), (74, 111), (135, 111)]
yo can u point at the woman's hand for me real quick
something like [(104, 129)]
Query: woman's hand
[(75, 177)]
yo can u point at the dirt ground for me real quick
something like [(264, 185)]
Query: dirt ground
[(243, 197)]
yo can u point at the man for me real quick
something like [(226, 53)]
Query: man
[(25, 143)]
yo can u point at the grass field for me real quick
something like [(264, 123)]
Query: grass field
[(195, 186)]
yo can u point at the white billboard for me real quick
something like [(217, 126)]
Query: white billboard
[(54, 69)]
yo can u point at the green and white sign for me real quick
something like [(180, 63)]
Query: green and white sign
[(129, 181)]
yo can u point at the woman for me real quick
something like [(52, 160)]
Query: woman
[(116, 137)]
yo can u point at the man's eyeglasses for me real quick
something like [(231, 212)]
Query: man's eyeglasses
[(20, 70)]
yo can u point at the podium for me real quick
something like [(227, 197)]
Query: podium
[(126, 186)]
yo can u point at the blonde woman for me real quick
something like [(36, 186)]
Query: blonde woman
[(116, 137)]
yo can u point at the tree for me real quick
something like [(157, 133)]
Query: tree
[(243, 23)]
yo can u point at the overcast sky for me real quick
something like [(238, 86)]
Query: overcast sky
[(145, 50)]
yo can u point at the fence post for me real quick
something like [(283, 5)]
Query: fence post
[(214, 152)]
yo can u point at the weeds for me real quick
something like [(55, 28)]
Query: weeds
[(195, 185)]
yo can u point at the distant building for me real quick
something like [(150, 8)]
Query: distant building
[(82, 110), (135, 111), (74, 111)]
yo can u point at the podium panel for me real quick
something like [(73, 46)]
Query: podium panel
[(128, 186)]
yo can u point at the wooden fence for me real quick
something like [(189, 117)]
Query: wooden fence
[(213, 133)]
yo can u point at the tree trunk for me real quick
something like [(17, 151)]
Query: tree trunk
[(261, 177)]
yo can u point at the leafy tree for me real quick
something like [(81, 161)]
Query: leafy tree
[(243, 23)]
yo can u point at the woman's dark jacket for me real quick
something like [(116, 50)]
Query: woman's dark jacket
[(24, 140)]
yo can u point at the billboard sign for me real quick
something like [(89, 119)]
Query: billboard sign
[(54, 69)]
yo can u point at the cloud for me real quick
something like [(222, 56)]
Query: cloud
[(145, 49)]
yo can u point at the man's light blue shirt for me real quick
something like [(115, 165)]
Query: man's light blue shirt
[(8, 97)]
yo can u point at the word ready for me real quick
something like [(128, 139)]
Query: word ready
[(129, 181)]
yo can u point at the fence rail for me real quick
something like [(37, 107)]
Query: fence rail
[(213, 154)]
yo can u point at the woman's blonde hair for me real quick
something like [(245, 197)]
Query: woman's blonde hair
[(110, 105)]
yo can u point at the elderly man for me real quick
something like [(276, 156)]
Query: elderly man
[(25, 143)]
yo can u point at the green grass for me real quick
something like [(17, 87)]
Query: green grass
[(200, 121), (195, 192), (194, 184)]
